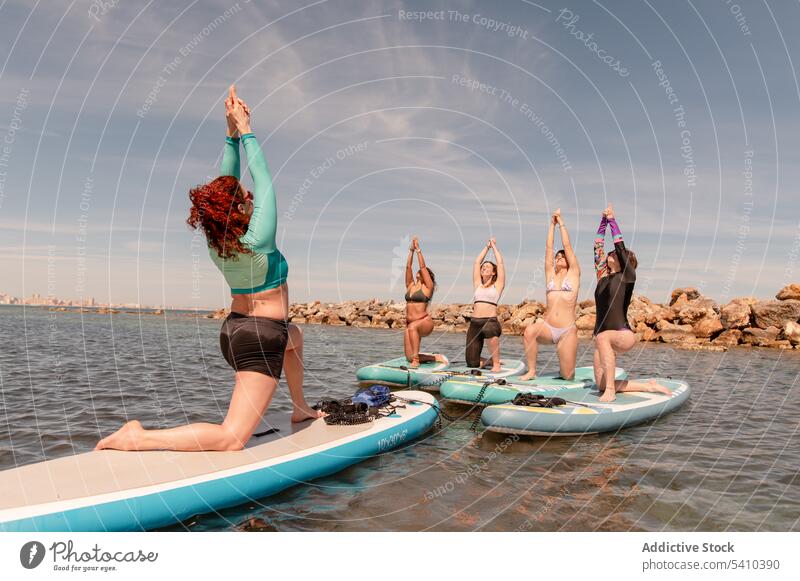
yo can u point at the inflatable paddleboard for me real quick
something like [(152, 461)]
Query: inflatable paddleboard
[(465, 390), (112, 490), (428, 376), (585, 414)]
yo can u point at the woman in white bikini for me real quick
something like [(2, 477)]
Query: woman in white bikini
[(489, 279), (563, 283)]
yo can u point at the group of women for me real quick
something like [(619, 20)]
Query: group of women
[(259, 344), (616, 277)]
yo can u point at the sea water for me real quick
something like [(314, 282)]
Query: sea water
[(726, 460)]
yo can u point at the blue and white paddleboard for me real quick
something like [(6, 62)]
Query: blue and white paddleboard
[(584, 413), (480, 391), (111, 490), (428, 376)]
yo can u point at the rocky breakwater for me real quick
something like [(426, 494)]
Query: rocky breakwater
[(689, 320)]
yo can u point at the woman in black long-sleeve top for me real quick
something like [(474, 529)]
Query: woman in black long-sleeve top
[(616, 277)]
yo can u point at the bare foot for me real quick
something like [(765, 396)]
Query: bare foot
[(414, 363), (440, 358), (128, 437), (655, 387), (496, 368), (608, 395), (530, 375), (303, 413)]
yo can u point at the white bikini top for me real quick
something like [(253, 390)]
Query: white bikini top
[(484, 294), (565, 286)]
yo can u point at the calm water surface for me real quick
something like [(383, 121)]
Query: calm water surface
[(727, 460)]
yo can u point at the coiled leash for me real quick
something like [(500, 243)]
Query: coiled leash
[(535, 400), (479, 399)]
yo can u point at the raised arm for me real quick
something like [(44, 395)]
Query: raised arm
[(500, 283), (599, 249), (572, 260), (264, 219), (549, 271), (230, 156), (426, 277), (619, 248), (410, 263), (476, 267)]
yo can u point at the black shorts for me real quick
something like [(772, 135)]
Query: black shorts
[(480, 329), (254, 343)]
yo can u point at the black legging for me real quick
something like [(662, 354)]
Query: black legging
[(480, 329)]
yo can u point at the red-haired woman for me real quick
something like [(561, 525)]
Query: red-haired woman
[(256, 339)]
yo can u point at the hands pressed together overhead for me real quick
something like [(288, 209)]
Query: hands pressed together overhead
[(237, 114)]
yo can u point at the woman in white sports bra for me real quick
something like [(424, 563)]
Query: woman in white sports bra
[(488, 279), (563, 283)]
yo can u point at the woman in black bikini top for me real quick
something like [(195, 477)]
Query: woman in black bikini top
[(419, 292)]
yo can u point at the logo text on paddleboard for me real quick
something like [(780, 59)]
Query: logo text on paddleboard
[(392, 441)]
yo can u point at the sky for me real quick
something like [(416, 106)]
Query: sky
[(452, 121)]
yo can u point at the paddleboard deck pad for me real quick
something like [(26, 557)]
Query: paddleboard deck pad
[(429, 376), (110, 490), (475, 391), (585, 414)]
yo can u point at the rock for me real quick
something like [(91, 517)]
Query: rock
[(331, 318), (775, 313), (792, 332), (218, 314), (707, 326), (347, 312), (379, 322), (737, 313), (638, 311), (587, 304), (524, 315), (729, 338), (701, 347), (760, 337), (586, 322), (361, 321), (690, 292), (676, 307), (790, 291), (672, 333), (645, 333), (298, 320)]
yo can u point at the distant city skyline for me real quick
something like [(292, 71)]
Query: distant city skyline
[(382, 120)]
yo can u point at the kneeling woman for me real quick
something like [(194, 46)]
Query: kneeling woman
[(563, 283), (240, 230), (419, 292), (488, 279), (616, 277)]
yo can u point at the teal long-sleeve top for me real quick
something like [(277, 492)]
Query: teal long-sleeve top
[(264, 267)]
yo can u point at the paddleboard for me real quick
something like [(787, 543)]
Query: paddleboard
[(587, 415), (465, 390), (110, 490), (428, 376)]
